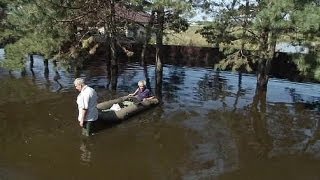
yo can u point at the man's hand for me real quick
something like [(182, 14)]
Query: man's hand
[(81, 123)]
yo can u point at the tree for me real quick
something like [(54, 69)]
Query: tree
[(242, 25), (30, 30), (62, 28), (167, 15)]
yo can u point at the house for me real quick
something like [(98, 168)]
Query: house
[(136, 30), (140, 19)]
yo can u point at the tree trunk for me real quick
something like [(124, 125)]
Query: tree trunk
[(146, 75), (114, 78), (46, 68), (147, 38), (159, 41), (238, 92), (159, 73), (31, 61), (262, 76), (112, 43), (267, 48), (23, 72), (259, 123), (111, 31)]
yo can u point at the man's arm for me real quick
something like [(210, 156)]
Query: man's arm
[(83, 113), (133, 94), (84, 110)]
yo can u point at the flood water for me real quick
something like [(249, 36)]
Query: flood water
[(211, 125)]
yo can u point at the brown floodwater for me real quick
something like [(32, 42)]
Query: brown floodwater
[(210, 125)]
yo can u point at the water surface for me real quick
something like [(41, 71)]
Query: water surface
[(211, 125)]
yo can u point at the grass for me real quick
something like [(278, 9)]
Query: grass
[(188, 38), (191, 38)]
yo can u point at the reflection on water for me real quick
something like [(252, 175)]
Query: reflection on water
[(85, 154), (211, 125)]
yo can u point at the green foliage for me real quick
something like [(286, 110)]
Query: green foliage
[(274, 15), (242, 25), (177, 24), (235, 60), (57, 28), (309, 27), (176, 13), (45, 27), (4, 3), (217, 33), (308, 64), (32, 29), (317, 74), (32, 43)]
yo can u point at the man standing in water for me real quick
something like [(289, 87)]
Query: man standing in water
[(87, 105)]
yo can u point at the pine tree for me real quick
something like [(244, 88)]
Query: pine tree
[(242, 25)]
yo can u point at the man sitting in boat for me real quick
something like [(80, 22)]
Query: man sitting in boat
[(142, 93)]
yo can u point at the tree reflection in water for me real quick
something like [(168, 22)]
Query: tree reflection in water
[(85, 153), (258, 118)]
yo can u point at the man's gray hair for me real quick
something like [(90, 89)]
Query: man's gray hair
[(142, 82), (79, 81)]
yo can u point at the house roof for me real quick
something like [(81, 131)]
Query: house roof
[(132, 15)]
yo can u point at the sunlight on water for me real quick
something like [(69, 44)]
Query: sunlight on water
[(291, 92)]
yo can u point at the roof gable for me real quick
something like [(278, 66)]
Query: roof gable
[(132, 15)]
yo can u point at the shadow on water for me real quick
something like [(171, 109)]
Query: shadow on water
[(210, 125)]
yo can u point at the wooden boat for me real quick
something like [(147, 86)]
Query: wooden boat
[(130, 107)]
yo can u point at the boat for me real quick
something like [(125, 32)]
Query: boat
[(129, 106)]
